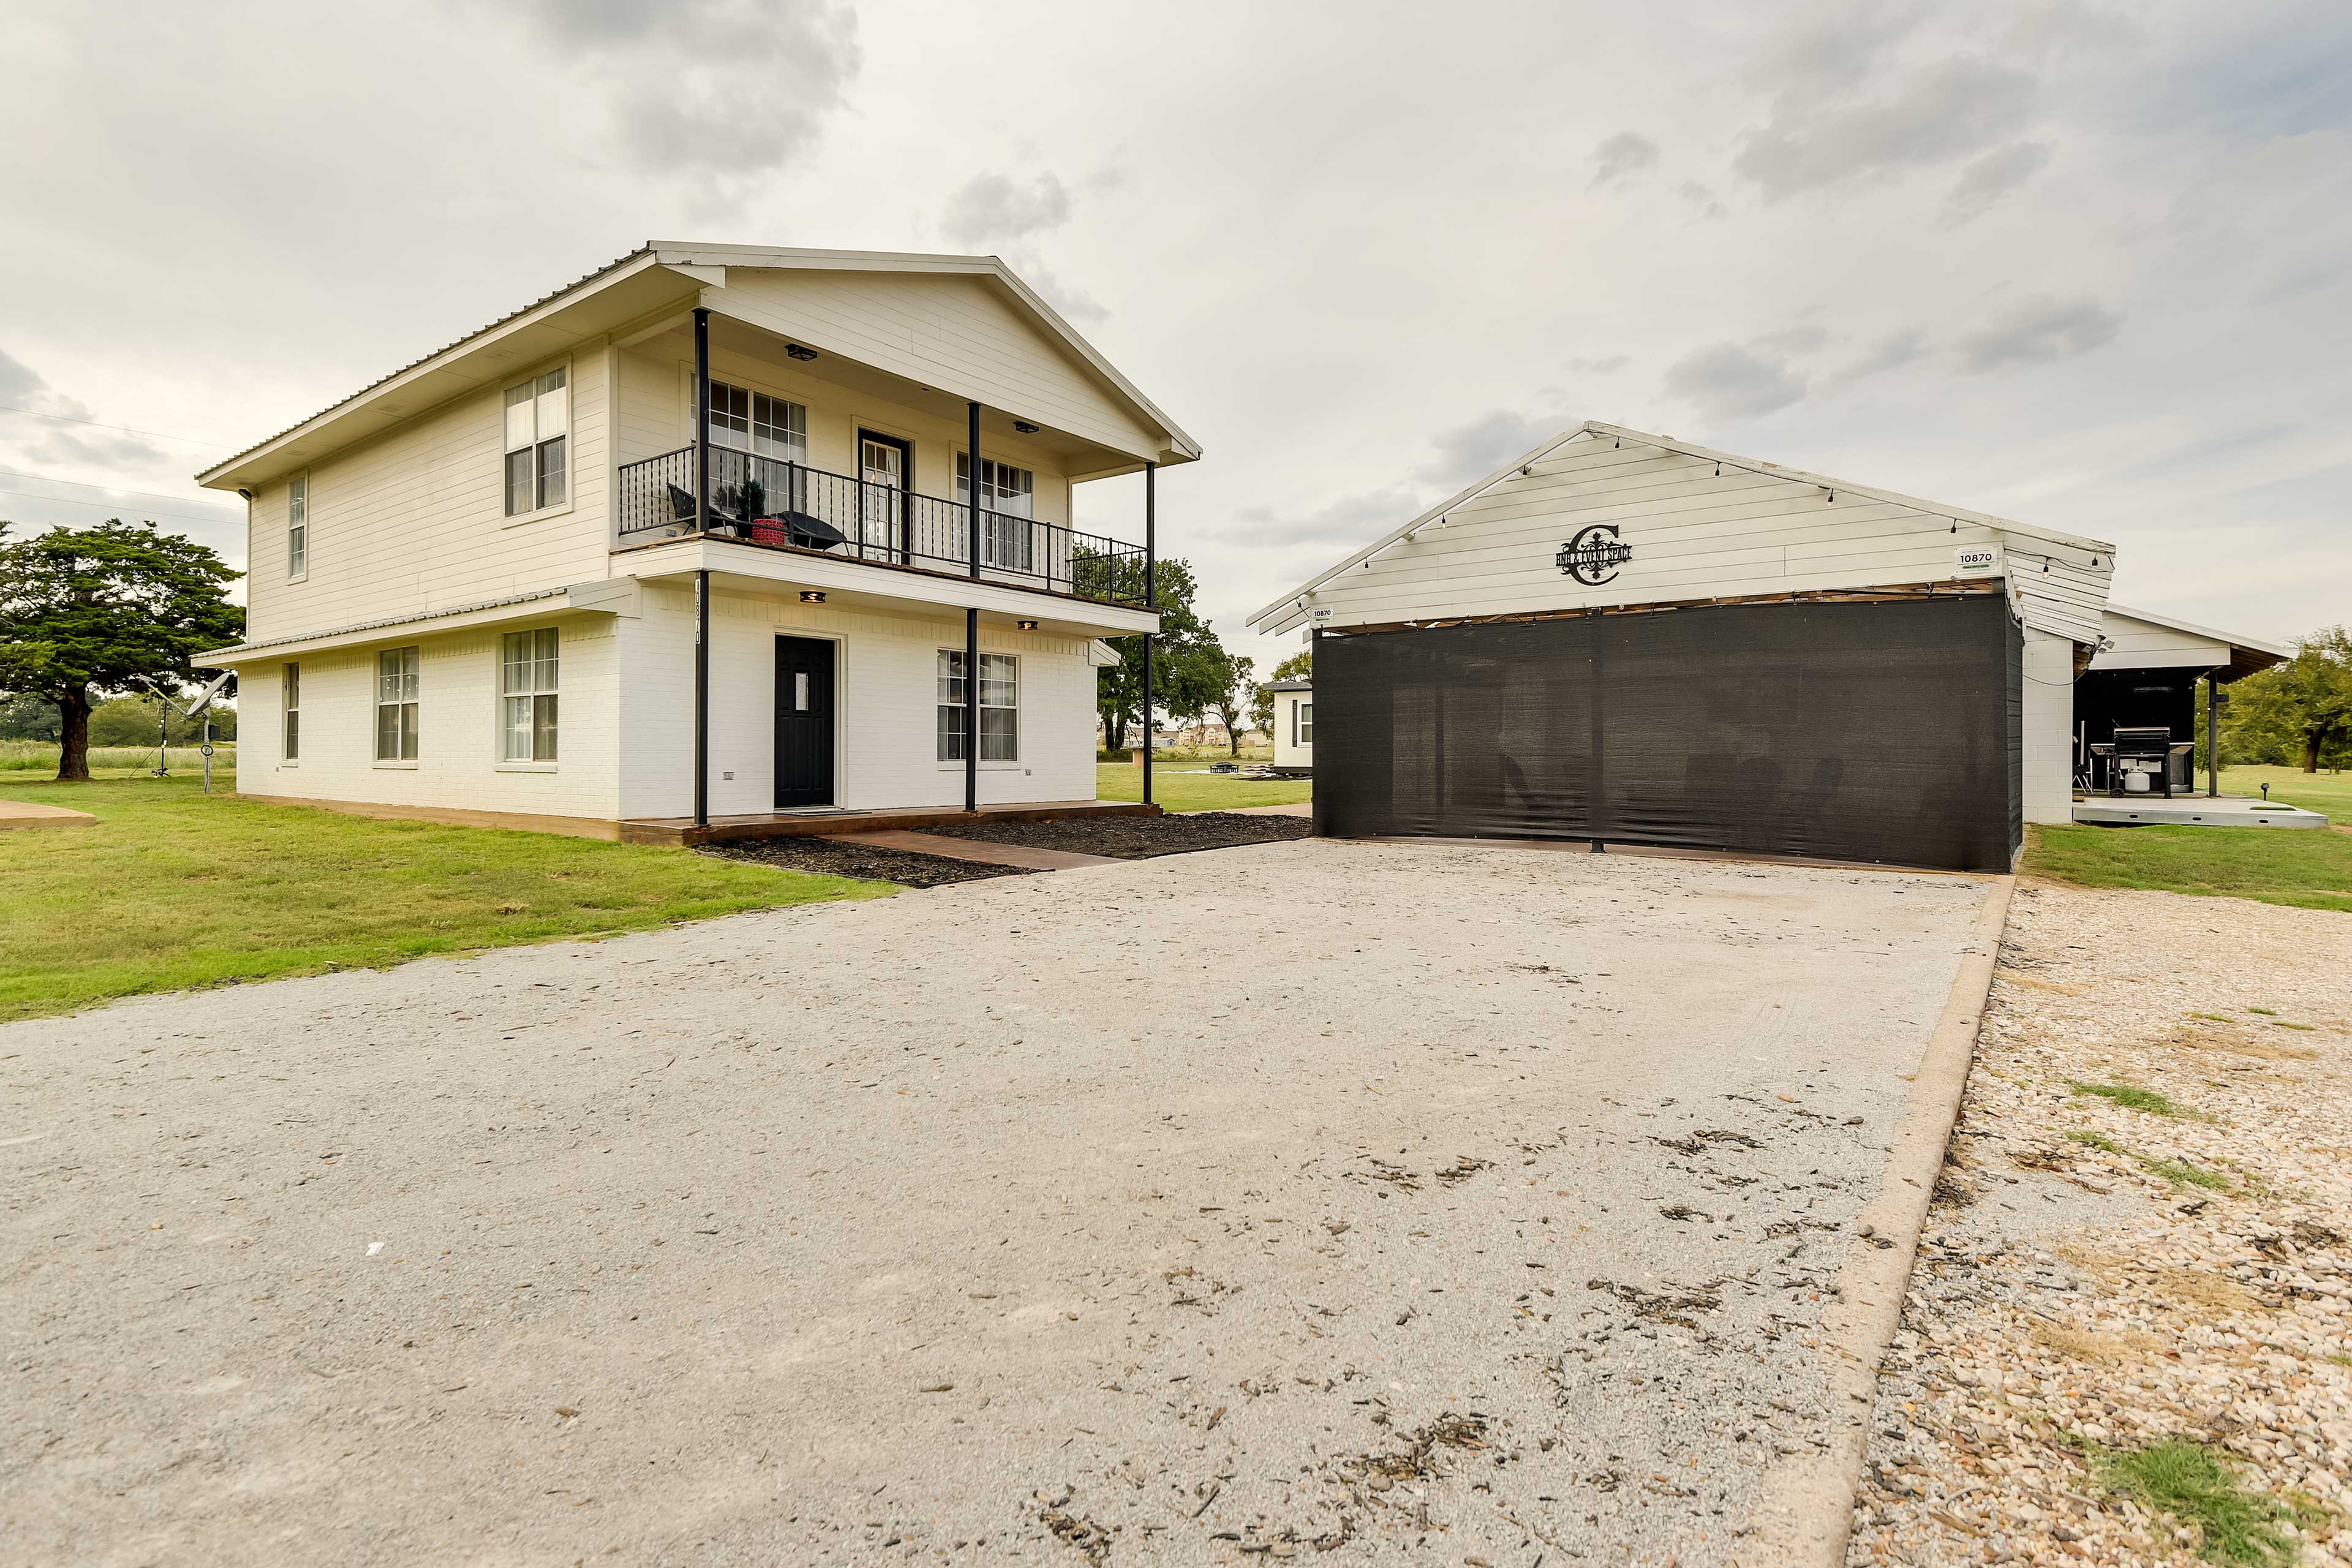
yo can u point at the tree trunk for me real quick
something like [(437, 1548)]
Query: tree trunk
[(73, 736), (1115, 730), (2312, 741)]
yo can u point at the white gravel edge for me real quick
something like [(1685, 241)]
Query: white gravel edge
[(1806, 1513)]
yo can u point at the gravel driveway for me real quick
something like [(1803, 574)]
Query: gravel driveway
[(1412, 1202)]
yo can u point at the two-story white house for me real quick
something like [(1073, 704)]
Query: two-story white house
[(689, 549)]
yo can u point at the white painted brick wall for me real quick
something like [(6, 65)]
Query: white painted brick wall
[(457, 728), (885, 706)]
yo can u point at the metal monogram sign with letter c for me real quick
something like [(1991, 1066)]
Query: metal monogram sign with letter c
[(1593, 556)]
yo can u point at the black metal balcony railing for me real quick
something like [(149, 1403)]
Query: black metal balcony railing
[(770, 502)]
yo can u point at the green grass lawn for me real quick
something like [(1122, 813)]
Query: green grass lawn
[(2328, 793), (1190, 790), (171, 890), (2311, 870)]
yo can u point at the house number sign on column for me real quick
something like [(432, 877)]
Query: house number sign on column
[(1593, 556)]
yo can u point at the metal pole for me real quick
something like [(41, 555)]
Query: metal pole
[(702, 577), (971, 710), (1597, 807), (702, 699), (1150, 602), (972, 494), (2212, 736), (209, 750)]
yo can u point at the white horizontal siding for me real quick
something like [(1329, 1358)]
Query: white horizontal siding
[(2144, 645), (658, 417), (414, 520), (1697, 530), (954, 333)]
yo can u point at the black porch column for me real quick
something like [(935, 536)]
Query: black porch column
[(701, 578), (971, 624), (1150, 602)]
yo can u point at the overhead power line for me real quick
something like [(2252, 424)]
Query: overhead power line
[(103, 425)]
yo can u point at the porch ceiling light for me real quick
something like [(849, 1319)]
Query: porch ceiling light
[(1024, 428), (799, 351), (1026, 625), (812, 596)]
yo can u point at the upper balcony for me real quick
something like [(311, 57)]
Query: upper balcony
[(785, 505)]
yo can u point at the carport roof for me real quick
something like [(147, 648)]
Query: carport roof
[(2248, 655)]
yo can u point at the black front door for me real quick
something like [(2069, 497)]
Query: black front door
[(803, 723)]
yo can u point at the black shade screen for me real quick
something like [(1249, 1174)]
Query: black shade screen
[(1871, 731)]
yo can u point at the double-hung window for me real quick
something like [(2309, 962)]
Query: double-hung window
[(396, 676), (771, 427), (1008, 499), (539, 431), (1000, 706), (298, 525), (293, 710), (1302, 723), (527, 691)]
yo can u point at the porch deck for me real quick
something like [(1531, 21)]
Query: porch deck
[(2192, 810), (680, 832)]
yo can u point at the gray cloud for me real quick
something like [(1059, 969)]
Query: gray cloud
[(1473, 450), (1993, 176), (2037, 330), (726, 91), (1838, 49), (43, 441), (1938, 116), (1702, 200), (1892, 351), (1351, 521), (1802, 339), (1072, 302), (1622, 157), (1609, 366), (990, 210), (1731, 380), (19, 383)]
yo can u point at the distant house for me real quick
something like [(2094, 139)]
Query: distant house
[(1294, 724), (715, 530)]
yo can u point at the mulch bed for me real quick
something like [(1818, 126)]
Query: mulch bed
[(868, 861), (1138, 838), (1119, 837)]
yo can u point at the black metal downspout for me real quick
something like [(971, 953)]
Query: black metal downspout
[(701, 578), (971, 632), (1150, 602), (2212, 735)]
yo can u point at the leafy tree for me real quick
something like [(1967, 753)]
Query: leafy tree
[(1235, 693), (2299, 711), (1300, 666), (1182, 669), (131, 721), (98, 609), (28, 718)]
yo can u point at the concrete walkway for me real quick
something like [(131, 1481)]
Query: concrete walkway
[(25, 814), (1422, 1204)]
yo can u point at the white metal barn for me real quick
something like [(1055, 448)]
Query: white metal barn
[(1625, 636)]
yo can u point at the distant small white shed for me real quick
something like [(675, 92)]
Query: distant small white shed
[(1294, 724)]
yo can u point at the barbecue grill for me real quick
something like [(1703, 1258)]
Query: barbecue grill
[(2144, 759)]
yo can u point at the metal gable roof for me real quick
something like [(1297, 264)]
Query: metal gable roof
[(682, 255)]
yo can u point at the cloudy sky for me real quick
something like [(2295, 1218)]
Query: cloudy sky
[(2085, 266)]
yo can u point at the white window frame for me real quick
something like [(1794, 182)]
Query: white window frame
[(543, 676), (289, 708), (775, 450), (297, 526), (410, 695), (1008, 492), (946, 680), (549, 423), (1302, 721)]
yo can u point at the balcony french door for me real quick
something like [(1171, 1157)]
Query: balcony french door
[(883, 482)]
